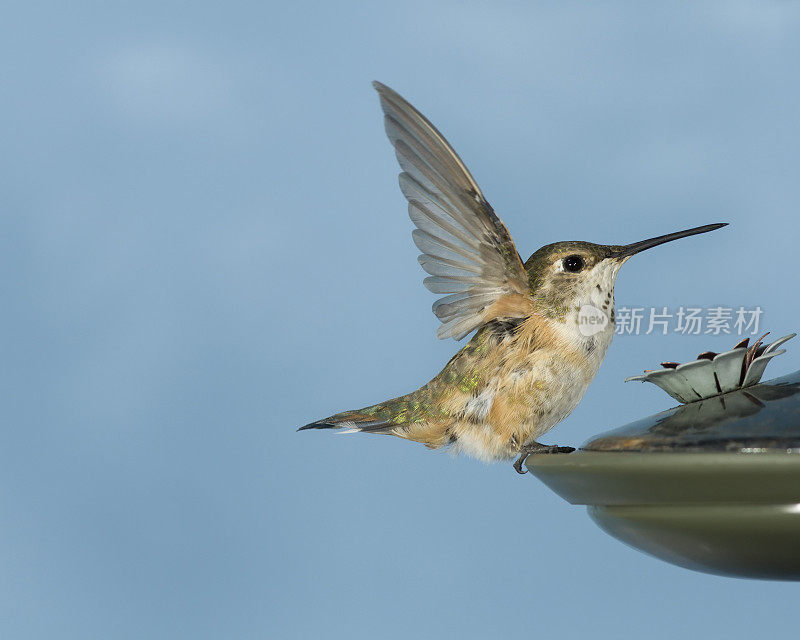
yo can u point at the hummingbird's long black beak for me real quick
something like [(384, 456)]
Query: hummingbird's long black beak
[(630, 249)]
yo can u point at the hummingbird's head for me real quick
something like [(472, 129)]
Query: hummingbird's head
[(563, 271)]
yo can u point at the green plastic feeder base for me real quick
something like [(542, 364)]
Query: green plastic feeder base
[(723, 513)]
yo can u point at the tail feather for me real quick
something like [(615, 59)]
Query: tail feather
[(354, 422), (385, 417)]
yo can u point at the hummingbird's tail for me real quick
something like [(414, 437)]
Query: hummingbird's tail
[(391, 417), (354, 422)]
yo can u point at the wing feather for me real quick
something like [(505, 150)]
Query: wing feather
[(439, 284), (465, 247), (440, 247)]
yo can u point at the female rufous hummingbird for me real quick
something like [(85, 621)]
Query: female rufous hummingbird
[(543, 325)]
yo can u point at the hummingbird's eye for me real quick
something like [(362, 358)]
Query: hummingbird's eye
[(573, 263)]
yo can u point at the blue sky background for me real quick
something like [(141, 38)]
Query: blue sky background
[(203, 246)]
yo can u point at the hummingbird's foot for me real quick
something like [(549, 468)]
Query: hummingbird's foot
[(537, 447), (518, 464)]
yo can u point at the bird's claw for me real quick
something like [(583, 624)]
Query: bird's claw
[(537, 448)]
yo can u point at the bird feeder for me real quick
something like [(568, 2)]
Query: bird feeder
[(711, 485)]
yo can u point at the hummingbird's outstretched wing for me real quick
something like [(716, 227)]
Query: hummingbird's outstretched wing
[(466, 249)]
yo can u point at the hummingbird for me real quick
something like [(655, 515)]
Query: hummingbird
[(542, 326)]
